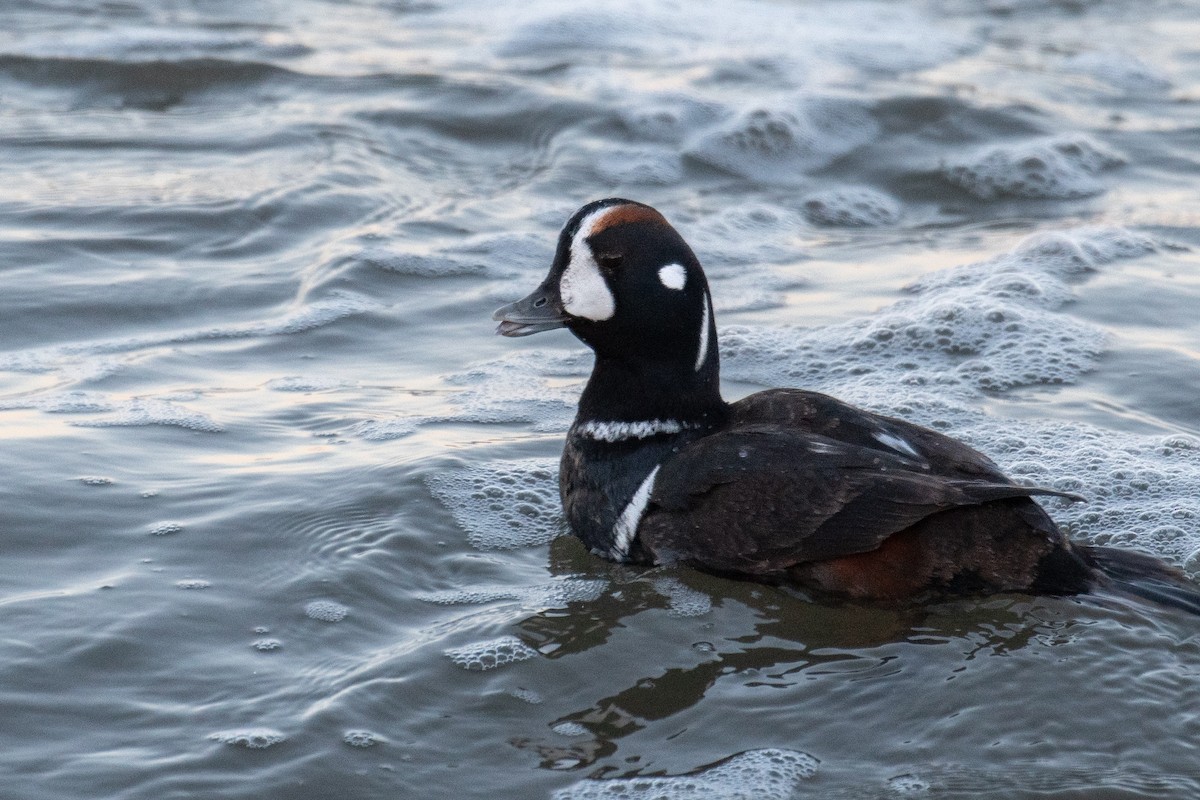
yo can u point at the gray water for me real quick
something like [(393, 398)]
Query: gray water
[(278, 514)]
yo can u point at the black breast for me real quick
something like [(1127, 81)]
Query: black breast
[(597, 480)]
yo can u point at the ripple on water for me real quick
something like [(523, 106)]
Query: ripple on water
[(1123, 72), (305, 317), (851, 207), (493, 255), (780, 144), (647, 166), (330, 533)]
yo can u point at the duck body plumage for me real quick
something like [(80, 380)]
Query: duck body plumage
[(798, 487), (785, 485)]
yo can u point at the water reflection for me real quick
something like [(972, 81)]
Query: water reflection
[(779, 638)]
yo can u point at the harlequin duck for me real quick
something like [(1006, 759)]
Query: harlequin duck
[(785, 485)]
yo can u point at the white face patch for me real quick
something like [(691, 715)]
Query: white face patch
[(582, 288), (626, 526), (673, 276), (702, 351)]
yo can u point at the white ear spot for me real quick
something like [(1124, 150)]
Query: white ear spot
[(673, 276)]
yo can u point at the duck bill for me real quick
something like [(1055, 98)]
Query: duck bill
[(540, 311)]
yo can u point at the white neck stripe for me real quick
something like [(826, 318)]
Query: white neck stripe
[(702, 352), (619, 431), (626, 526)]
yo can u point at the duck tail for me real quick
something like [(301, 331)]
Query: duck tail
[(1144, 576)]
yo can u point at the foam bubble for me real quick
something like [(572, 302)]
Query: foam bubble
[(251, 738), (1036, 270), (685, 602), (514, 389), (96, 480), (383, 430), (491, 654), (267, 645), (546, 595), (326, 611), (527, 695), (569, 729), (503, 505), (907, 784), (74, 402), (193, 583), (360, 738), (141, 411), (986, 326), (993, 325), (952, 342), (770, 774), (1142, 491), (1059, 167), (777, 145), (165, 528), (851, 207)]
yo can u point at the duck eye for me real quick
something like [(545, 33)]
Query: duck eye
[(609, 260)]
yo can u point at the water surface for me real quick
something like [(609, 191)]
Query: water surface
[(279, 512)]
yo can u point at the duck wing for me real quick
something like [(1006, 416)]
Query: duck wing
[(813, 412), (758, 500)]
